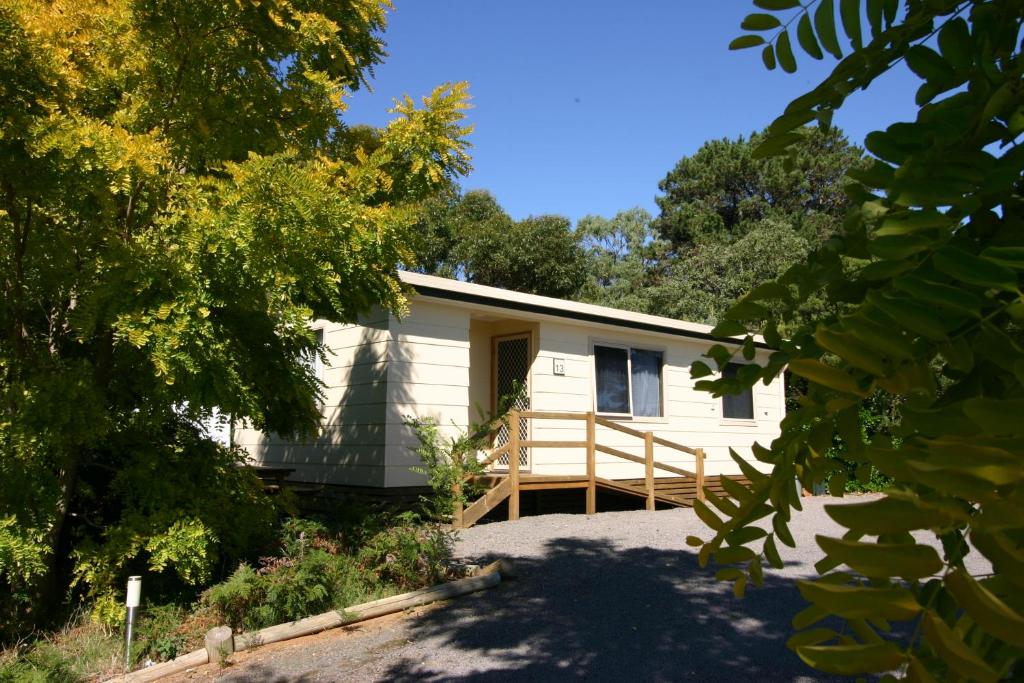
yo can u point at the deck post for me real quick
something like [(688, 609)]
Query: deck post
[(591, 463), (513, 464), (700, 473), (649, 468)]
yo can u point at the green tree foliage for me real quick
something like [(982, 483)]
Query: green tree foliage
[(470, 235), (932, 316), (736, 220), (705, 278), (537, 255), (724, 190), (625, 257), (729, 222), (178, 196)]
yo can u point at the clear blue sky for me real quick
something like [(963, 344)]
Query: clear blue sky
[(582, 106)]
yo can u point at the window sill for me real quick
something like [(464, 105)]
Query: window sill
[(736, 422), (619, 417)]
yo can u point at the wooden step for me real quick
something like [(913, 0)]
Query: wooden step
[(490, 500)]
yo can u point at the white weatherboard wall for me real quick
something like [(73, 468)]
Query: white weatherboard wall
[(351, 448), (428, 370), (436, 363), (691, 418)]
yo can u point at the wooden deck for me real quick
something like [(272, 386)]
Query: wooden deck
[(671, 491), (679, 490)]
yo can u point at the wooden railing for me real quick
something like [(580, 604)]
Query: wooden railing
[(510, 486)]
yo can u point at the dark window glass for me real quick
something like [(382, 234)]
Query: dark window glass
[(646, 380), (611, 367), (737, 406)]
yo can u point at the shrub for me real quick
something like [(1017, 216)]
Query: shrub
[(410, 553), (158, 633), (446, 463), (877, 423), (318, 569), (184, 510), (233, 599)]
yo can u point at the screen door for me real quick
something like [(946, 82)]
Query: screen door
[(512, 365)]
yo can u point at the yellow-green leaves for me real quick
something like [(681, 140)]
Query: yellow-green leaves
[(860, 602), (816, 34), (826, 376), (776, 5), (784, 52), (987, 610), (996, 416), (926, 274), (882, 560), (955, 43), (185, 196), (903, 222), (746, 41), (847, 660), (849, 348), (849, 10), (928, 64), (957, 654), (892, 515), (760, 22), (805, 34), (975, 270)]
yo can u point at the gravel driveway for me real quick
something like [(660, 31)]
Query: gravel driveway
[(613, 597)]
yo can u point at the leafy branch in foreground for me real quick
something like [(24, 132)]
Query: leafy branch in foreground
[(932, 316)]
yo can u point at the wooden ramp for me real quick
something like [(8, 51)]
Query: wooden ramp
[(500, 489), (659, 495), (679, 490), (686, 488)]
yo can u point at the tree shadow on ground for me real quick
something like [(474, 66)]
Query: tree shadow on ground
[(587, 609)]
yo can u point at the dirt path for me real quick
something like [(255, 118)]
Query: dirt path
[(614, 597)]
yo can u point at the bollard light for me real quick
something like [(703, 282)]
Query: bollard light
[(132, 603), (134, 591)]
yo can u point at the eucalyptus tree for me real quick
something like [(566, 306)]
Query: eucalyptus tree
[(625, 259)]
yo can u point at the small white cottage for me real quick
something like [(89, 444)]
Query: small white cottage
[(463, 345)]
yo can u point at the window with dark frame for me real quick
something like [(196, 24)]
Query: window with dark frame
[(628, 381), (737, 406)]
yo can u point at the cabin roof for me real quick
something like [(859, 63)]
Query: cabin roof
[(467, 292)]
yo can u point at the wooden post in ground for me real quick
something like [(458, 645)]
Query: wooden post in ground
[(513, 465), (700, 473), (649, 468), (591, 463)]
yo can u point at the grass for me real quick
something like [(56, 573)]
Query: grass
[(79, 651)]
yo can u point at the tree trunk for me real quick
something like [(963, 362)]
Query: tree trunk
[(52, 589)]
